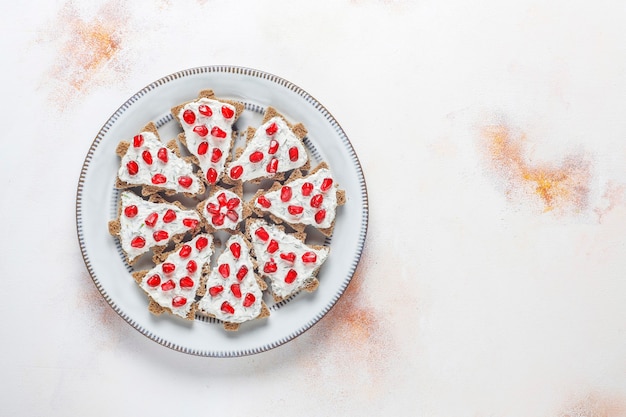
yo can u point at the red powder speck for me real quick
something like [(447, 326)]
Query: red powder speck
[(596, 405)]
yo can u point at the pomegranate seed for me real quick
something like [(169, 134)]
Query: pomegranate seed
[(179, 301), (211, 175), (232, 215), (227, 308), (272, 246), (202, 243), (151, 219), (189, 116), (309, 257), (131, 211), (218, 133), (218, 219), (215, 290), (289, 257), (213, 208), (285, 193), (263, 201), (235, 249), (133, 167), (185, 181), (270, 266), (307, 189), (236, 171), (243, 271), (159, 179), (201, 130), (168, 267), (320, 216), (154, 280), (256, 156), (272, 167), (271, 129), (160, 235), (185, 251), (147, 157), (138, 141), (291, 276), (317, 201), (227, 112), (273, 147), (236, 290), (205, 110), (248, 300), (162, 155), (295, 210), (192, 266), (190, 223), (138, 242), (232, 203), (326, 184), (217, 155), (203, 148), (262, 234), (222, 199), (186, 282), (224, 270), (169, 216), (293, 154), (168, 285)]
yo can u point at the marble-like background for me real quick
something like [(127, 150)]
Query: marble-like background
[(493, 140)]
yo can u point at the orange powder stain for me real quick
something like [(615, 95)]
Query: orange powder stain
[(595, 405), (564, 186)]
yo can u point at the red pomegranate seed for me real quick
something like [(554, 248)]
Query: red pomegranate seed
[(307, 189), (295, 210), (272, 167), (289, 257), (138, 242), (270, 266), (273, 147), (168, 285), (133, 167), (186, 282), (232, 215), (236, 290), (262, 234), (227, 112), (192, 266), (271, 129), (154, 280), (168, 267), (213, 208), (189, 116), (236, 171), (243, 271), (138, 141), (179, 301), (320, 216), (256, 156), (211, 175), (227, 308), (222, 199), (131, 211), (151, 219), (215, 290), (185, 251), (235, 249), (224, 270), (309, 257), (203, 148), (293, 154), (169, 216), (205, 110), (159, 179), (217, 155), (162, 155), (218, 133), (285, 193), (202, 243), (147, 157), (326, 184), (248, 300), (201, 130), (190, 223), (317, 200), (272, 246), (218, 219), (263, 201), (291, 276), (160, 235), (185, 181), (232, 203)]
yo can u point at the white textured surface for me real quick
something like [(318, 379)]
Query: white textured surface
[(482, 291)]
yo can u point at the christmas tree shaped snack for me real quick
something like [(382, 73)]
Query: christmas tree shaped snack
[(207, 124), (172, 285), (147, 163), (285, 259), (301, 201), (271, 150), (224, 209), (142, 225), (234, 292)]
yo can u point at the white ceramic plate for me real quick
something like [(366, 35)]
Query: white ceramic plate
[(96, 204)]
